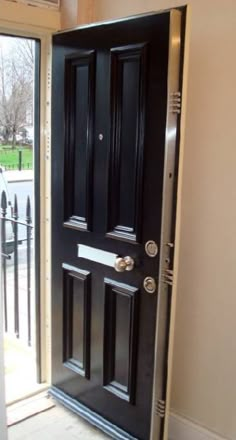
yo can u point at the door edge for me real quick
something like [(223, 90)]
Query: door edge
[(177, 226), (169, 232), (115, 20)]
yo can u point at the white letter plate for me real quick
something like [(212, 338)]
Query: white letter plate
[(97, 255)]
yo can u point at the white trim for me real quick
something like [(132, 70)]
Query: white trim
[(182, 429), (45, 207), (3, 429), (44, 35), (45, 184)]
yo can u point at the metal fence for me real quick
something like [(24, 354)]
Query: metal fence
[(10, 241), (16, 166), (19, 163)]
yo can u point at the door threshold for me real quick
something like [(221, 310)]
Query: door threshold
[(92, 417), (39, 388), (29, 407)]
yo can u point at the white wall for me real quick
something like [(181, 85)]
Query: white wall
[(204, 385), (28, 16), (69, 13)]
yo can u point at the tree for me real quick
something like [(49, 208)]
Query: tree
[(16, 87)]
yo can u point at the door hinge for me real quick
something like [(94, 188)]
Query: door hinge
[(175, 102), (160, 408)]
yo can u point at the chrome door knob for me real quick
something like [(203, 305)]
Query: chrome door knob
[(122, 264)]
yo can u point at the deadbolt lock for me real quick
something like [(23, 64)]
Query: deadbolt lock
[(149, 284), (151, 248)]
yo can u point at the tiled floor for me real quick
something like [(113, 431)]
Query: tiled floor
[(57, 423)]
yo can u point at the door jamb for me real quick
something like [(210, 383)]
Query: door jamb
[(44, 37)]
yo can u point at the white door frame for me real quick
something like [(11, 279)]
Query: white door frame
[(3, 425), (44, 36)]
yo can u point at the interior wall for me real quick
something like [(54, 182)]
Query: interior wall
[(85, 11), (74, 12), (69, 13), (203, 384), (25, 15)]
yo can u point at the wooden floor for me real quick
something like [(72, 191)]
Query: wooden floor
[(56, 423)]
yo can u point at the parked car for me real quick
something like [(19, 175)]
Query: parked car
[(8, 247)]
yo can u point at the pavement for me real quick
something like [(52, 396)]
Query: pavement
[(20, 361), (19, 176)]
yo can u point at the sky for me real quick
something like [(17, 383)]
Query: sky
[(7, 43)]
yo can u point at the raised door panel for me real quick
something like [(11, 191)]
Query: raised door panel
[(120, 339), (76, 320), (79, 121), (128, 85)]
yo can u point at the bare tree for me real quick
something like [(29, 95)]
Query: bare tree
[(16, 88), (25, 52)]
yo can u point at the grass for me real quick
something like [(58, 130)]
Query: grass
[(9, 158)]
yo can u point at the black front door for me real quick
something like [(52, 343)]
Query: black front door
[(109, 118)]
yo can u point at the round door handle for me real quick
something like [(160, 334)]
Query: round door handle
[(122, 264)]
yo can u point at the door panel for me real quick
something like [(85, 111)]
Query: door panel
[(77, 320), (120, 339), (128, 82), (109, 113), (79, 116)]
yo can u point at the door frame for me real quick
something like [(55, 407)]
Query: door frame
[(42, 184), (3, 425)]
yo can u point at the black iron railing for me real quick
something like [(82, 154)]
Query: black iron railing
[(10, 223), (16, 166)]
